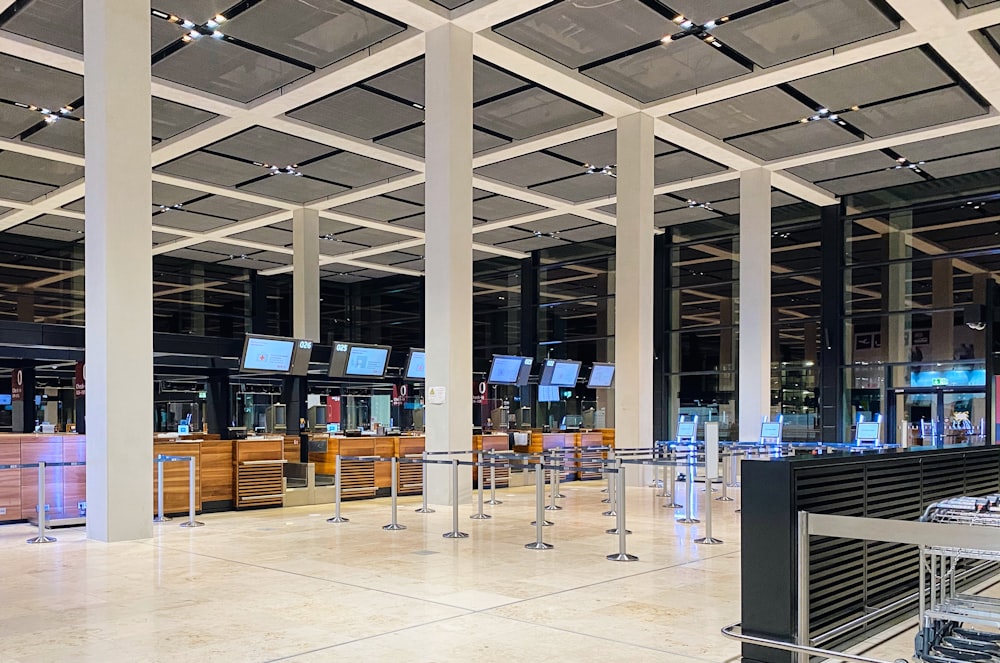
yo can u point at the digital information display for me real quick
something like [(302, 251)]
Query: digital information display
[(868, 431), (601, 376), (416, 367), (366, 361), (685, 429), (770, 430), (5, 399), (505, 369), (548, 394), (561, 373), (268, 354)]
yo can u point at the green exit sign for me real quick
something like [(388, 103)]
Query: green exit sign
[(202, 395), (939, 382)]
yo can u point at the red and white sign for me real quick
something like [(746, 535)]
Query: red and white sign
[(333, 409), (80, 382), (479, 392), (17, 385)]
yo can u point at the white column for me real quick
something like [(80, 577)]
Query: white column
[(448, 280), (634, 283), (305, 274), (755, 302), (119, 271)]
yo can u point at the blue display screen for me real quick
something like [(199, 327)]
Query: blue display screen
[(505, 370), (417, 368), (366, 361), (268, 354), (602, 375), (564, 373), (548, 394)]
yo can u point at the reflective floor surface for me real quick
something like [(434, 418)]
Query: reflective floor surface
[(283, 584)]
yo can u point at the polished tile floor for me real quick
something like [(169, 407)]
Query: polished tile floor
[(283, 584)]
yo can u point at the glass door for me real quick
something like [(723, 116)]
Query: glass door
[(937, 417)]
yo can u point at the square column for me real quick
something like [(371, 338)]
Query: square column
[(634, 276), (305, 274), (755, 302), (119, 271), (448, 280)]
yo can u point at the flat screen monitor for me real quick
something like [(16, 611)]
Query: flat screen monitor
[(602, 376), (267, 354), (416, 365), (868, 431), (5, 399), (560, 372), (686, 429), (300, 357), (510, 369), (548, 393), (770, 430), (357, 360)]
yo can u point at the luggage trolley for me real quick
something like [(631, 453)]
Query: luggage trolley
[(951, 622)]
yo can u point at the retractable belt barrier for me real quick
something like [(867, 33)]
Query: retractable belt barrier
[(41, 506)]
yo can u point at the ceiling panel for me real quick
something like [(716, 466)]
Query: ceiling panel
[(887, 77), (667, 69), (55, 22), (711, 192), (294, 189), (798, 28), (415, 222), (489, 81), (684, 215), (599, 150), (191, 221), (269, 146), (318, 32), (559, 223), (360, 113), (36, 169), (746, 113), (496, 208), (870, 181), (163, 238), (32, 83), (844, 166), (678, 166), (500, 235), (266, 235), (14, 120), (529, 113), (391, 258), (588, 233), (379, 209), (211, 168), (405, 82), (194, 255), (962, 143), (166, 195), (576, 33), (371, 237), (534, 244), (703, 11), (22, 191), (198, 11), (795, 139), (410, 141), (171, 118), (352, 170), (529, 169), (334, 246), (916, 112), (219, 67), (969, 163), (580, 188), (229, 208)]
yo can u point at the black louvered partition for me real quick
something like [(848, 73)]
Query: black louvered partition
[(849, 579)]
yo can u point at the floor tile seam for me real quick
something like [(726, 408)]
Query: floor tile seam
[(368, 637), (605, 638), (320, 579), (603, 582)]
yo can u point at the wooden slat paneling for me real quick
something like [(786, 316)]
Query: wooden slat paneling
[(217, 471)]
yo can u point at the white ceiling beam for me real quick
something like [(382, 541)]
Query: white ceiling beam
[(802, 189), (43, 205), (545, 141), (8, 145), (290, 125), (500, 251), (420, 14), (374, 225), (484, 14), (217, 190)]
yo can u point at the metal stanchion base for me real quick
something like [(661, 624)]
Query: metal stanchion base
[(612, 512), (553, 507), (604, 490), (615, 531), (192, 523), (559, 496), (480, 516), (423, 510), (724, 498), (687, 521), (708, 541), (673, 505), (733, 485), (606, 500), (338, 519), (622, 557), (539, 545), (164, 519), (392, 527), (455, 535), (545, 523), (492, 502), (42, 539)]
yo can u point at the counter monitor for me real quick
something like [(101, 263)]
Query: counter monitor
[(602, 376), (357, 360), (267, 354), (548, 394), (416, 365), (560, 372), (509, 369)]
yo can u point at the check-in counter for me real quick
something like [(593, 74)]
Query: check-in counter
[(588, 462), (176, 474), (65, 487), (411, 477), (258, 472), (491, 442)]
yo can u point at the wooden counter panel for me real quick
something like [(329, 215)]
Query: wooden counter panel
[(35, 448), (176, 476), (407, 446), (217, 471), (74, 478), (293, 449), (494, 442), (384, 447), (249, 450), (256, 483), (10, 480)]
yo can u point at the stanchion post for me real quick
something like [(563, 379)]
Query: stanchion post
[(711, 469), (539, 523), (493, 482), (160, 518), (672, 473), (423, 485), (727, 461), (554, 485), (612, 491), (561, 464), (192, 481), (394, 492), (479, 515), (607, 475), (337, 518), (689, 492), (42, 537), (454, 533), (733, 468), (621, 555)]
